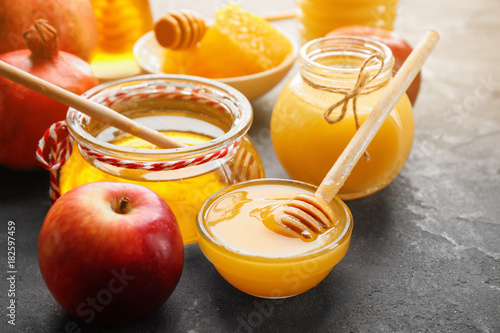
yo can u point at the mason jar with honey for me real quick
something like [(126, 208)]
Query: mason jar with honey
[(120, 23), (210, 118), (320, 109), (318, 17)]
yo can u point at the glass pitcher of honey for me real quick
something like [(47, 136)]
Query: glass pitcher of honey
[(318, 17), (211, 118), (120, 23), (306, 140)]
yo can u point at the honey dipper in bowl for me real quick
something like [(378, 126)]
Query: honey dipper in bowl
[(183, 29), (308, 215)]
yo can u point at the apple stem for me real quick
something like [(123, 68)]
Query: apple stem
[(123, 205)]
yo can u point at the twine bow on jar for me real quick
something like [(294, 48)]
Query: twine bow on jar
[(352, 94), (358, 89)]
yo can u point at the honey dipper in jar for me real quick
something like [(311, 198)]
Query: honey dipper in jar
[(309, 215)]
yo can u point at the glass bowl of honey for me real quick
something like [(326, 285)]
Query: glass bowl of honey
[(209, 117), (254, 256)]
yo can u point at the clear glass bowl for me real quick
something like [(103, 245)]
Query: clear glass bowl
[(268, 265)]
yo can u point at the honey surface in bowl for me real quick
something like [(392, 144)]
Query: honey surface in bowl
[(238, 43)]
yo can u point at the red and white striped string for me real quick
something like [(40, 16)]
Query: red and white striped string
[(55, 147)]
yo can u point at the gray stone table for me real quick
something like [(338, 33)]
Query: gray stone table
[(425, 251)]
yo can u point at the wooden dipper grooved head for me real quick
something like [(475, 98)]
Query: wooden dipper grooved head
[(307, 215), (180, 29)]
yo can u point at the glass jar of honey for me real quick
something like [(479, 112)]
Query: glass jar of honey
[(318, 17), (120, 23), (211, 118), (309, 135)]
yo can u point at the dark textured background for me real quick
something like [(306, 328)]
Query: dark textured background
[(425, 252)]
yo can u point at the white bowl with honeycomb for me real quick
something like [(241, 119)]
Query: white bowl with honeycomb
[(240, 49)]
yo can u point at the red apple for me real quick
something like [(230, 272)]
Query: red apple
[(110, 253), (398, 45)]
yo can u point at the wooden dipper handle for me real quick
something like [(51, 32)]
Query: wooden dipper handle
[(94, 110)]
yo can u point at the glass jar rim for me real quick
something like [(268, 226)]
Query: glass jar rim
[(341, 238), (231, 99), (317, 46)]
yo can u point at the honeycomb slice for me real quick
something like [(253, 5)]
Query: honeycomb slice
[(239, 43)]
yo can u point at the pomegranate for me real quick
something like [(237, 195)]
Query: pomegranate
[(25, 114), (74, 21)]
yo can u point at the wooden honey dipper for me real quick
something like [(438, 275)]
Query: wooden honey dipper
[(92, 109), (183, 29), (308, 215)]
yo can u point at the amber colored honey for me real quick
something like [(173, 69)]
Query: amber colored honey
[(120, 24), (184, 195), (307, 146), (238, 43), (259, 261), (318, 17)]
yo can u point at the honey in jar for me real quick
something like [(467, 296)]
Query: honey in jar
[(120, 23), (211, 118), (307, 145), (319, 17), (255, 258)]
